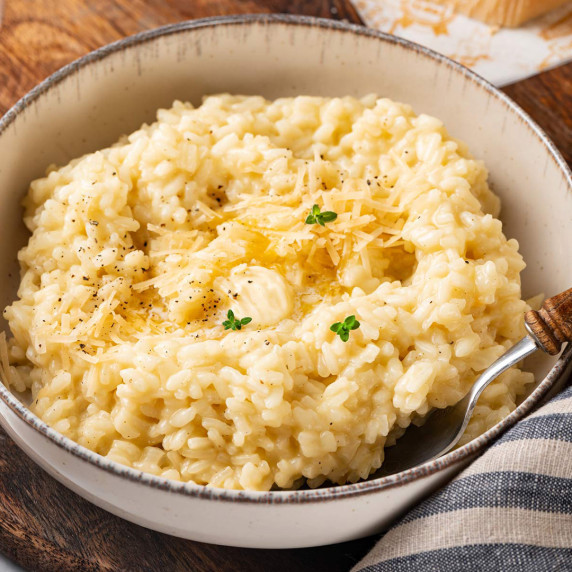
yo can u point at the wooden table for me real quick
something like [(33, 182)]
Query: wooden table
[(43, 526)]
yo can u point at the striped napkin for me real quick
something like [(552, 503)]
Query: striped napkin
[(510, 511)]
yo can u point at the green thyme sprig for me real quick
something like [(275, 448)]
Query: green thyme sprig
[(233, 323), (317, 217), (343, 328)]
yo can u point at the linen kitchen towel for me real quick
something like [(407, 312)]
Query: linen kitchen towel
[(510, 511)]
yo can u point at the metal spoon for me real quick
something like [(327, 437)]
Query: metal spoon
[(548, 330)]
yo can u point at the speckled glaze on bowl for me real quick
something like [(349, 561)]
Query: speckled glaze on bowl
[(90, 103)]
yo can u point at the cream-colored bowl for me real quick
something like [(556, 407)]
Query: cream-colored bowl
[(90, 103)]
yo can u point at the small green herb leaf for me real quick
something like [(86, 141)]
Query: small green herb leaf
[(343, 328), (317, 217), (233, 323), (336, 327), (329, 216)]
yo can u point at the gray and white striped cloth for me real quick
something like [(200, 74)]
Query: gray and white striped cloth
[(511, 510)]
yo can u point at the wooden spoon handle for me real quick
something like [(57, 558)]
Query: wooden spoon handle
[(551, 326)]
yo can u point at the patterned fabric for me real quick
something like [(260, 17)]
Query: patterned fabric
[(502, 55), (511, 510)]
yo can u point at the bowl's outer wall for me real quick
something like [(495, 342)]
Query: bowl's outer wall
[(110, 96), (229, 523)]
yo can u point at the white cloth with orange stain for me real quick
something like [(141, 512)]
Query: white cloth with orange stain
[(501, 56)]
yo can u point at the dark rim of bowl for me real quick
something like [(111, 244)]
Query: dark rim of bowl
[(464, 453)]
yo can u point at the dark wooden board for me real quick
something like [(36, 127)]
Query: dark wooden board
[(44, 526)]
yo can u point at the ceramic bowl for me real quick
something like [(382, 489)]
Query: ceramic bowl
[(91, 102)]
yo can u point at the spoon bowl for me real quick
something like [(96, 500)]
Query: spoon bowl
[(443, 428), (548, 329)]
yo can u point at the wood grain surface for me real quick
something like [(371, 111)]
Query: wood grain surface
[(43, 526)]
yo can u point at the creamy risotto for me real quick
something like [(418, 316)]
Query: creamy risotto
[(253, 294)]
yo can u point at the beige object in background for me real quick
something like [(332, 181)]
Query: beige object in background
[(501, 56), (511, 13)]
